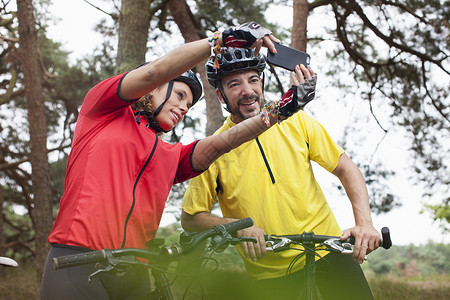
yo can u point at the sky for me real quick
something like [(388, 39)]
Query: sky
[(75, 30)]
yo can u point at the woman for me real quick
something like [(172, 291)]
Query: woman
[(119, 172)]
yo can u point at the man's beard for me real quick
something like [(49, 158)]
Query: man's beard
[(238, 112)]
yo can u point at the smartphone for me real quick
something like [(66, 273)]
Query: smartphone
[(287, 57)]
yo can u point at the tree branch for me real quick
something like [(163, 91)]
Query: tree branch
[(7, 96), (353, 5), (43, 68), (433, 102), (404, 8), (113, 16), (318, 3), (279, 84), (7, 166), (9, 39)]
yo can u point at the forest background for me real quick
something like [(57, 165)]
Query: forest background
[(383, 95)]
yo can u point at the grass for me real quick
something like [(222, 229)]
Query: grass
[(18, 283), (411, 288)]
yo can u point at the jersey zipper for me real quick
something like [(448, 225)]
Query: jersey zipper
[(134, 191), (265, 161)]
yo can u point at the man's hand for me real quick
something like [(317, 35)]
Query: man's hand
[(367, 239), (252, 250), (302, 91)]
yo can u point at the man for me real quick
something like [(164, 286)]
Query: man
[(271, 180)]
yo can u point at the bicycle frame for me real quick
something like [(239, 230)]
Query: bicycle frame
[(163, 288), (310, 268)]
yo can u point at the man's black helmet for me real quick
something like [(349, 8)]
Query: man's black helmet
[(234, 59), (194, 84)]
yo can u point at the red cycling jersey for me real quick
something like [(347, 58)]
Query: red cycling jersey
[(119, 175)]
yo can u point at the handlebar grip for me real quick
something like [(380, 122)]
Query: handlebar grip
[(79, 259), (238, 225), (189, 241), (386, 242)]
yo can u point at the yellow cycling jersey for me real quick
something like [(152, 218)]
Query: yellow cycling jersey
[(271, 180)]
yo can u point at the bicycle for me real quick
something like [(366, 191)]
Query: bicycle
[(308, 240), (158, 255)]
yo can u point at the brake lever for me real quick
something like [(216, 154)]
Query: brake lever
[(283, 243), (220, 242), (112, 263), (108, 268), (337, 245)]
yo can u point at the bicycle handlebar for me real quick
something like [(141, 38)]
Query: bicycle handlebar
[(238, 225), (306, 237), (188, 241)]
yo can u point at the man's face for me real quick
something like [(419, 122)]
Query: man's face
[(244, 93)]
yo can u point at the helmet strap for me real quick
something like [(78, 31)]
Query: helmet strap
[(151, 122), (168, 93), (151, 117), (262, 87), (225, 99)]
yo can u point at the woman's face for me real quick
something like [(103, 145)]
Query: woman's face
[(178, 104)]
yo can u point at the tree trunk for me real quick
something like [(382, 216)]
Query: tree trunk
[(134, 23), (40, 176), (299, 39), (192, 30), (2, 236)]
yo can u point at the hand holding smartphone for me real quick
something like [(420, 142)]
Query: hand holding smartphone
[(287, 57)]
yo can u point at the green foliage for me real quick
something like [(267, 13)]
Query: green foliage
[(18, 230), (432, 259), (441, 214), (231, 12), (57, 174)]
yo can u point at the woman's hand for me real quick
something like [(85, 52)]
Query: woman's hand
[(249, 35)]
